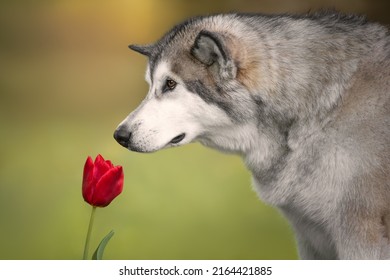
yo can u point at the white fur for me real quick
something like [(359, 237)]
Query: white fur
[(163, 116)]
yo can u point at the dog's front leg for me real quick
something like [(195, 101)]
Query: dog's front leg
[(313, 241), (306, 250), (363, 239)]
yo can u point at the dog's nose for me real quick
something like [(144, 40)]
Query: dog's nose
[(122, 136)]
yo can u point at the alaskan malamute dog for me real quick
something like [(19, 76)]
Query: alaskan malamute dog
[(305, 100)]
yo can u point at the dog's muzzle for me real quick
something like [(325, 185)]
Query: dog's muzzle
[(122, 136)]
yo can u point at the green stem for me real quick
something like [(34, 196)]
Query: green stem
[(86, 247)]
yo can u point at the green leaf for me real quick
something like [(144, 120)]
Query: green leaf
[(98, 255)]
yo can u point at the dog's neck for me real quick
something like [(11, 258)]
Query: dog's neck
[(262, 149)]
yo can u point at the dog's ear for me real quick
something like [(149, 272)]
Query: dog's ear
[(145, 50), (210, 49)]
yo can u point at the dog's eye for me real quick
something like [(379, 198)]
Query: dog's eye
[(169, 85)]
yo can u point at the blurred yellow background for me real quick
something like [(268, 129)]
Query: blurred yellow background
[(67, 79)]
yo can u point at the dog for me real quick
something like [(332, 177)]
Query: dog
[(304, 99)]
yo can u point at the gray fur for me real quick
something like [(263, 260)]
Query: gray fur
[(209, 49), (309, 102)]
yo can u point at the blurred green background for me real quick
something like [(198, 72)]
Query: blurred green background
[(67, 79)]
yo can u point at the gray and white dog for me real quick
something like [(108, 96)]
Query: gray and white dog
[(305, 100)]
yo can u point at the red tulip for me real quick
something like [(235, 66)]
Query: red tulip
[(102, 181)]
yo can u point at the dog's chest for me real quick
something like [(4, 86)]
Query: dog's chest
[(312, 182)]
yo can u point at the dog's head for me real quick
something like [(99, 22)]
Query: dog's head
[(194, 93)]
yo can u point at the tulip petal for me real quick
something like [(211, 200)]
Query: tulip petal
[(108, 187), (101, 167), (88, 180)]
